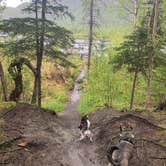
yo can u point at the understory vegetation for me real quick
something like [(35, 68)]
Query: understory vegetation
[(57, 81), (113, 87)]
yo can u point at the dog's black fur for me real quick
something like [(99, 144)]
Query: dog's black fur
[(85, 128)]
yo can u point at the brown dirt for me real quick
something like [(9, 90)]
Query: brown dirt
[(52, 140), (150, 139)]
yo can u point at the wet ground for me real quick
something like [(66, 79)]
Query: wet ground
[(52, 140)]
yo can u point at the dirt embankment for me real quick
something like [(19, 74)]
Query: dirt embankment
[(25, 123), (50, 140), (150, 139)]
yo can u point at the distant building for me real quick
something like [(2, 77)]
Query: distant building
[(81, 46)]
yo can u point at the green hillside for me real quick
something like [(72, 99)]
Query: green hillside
[(107, 17)]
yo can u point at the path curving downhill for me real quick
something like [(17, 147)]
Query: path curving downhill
[(47, 139), (79, 153)]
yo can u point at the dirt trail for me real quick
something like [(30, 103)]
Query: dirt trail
[(53, 140), (79, 153)]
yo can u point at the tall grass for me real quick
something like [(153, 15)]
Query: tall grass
[(109, 88)]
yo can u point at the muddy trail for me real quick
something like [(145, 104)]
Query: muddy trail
[(39, 137), (79, 153)]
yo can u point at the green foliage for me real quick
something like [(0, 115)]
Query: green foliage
[(35, 35), (105, 87), (23, 39), (57, 102), (134, 51)]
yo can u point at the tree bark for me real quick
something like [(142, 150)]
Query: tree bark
[(155, 15), (133, 89), (35, 89), (41, 51), (3, 81), (91, 22), (15, 70)]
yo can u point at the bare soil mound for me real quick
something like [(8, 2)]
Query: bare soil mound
[(150, 139), (30, 135), (37, 137)]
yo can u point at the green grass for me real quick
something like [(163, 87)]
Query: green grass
[(57, 103), (53, 105), (109, 88), (6, 105)]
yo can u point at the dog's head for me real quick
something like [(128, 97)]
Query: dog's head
[(126, 132), (83, 122)]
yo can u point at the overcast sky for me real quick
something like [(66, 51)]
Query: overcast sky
[(14, 3)]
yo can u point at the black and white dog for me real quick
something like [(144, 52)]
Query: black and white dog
[(85, 128), (120, 154)]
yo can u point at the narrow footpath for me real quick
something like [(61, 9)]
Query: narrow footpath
[(80, 153)]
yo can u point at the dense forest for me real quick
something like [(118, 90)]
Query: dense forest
[(61, 60)]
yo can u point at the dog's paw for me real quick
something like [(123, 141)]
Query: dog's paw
[(91, 140)]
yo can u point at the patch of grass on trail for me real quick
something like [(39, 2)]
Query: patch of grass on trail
[(57, 104)]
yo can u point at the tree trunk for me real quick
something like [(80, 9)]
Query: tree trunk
[(150, 75), (35, 89), (135, 13), (155, 15), (3, 81), (91, 22), (133, 89), (41, 51), (15, 70)]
